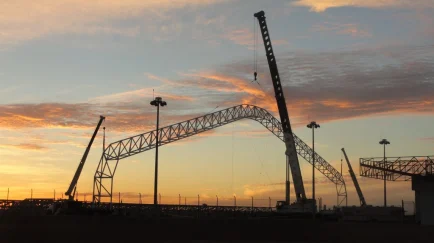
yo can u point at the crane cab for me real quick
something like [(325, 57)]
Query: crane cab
[(280, 204)]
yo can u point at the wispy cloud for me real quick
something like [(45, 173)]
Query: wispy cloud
[(429, 139), (323, 5), (342, 29), (25, 20), (134, 95), (348, 84), (24, 146), (328, 86), (245, 37), (242, 37)]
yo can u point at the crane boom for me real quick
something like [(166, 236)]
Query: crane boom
[(74, 181), (283, 112), (356, 183)]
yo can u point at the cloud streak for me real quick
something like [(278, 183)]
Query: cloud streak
[(348, 84), (23, 20), (328, 86), (323, 5), (23, 146), (342, 29)]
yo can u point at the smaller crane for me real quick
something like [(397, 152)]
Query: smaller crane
[(73, 186), (70, 206), (356, 183)]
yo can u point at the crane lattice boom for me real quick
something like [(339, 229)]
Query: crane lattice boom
[(71, 190), (281, 105), (356, 183)]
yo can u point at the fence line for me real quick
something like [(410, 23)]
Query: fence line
[(180, 199)]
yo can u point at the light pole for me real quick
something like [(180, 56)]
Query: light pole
[(313, 125), (158, 101), (384, 142)]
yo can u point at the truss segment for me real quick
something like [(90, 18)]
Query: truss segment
[(396, 168), (146, 141)]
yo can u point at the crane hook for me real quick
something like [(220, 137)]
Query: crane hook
[(255, 74)]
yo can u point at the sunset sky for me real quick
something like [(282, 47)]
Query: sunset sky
[(363, 69)]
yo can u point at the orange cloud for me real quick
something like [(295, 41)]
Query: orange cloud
[(130, 96), (342, 29), (327, 86), (21, 19), (242, 37), (245, 38), (24, 146), (240, 84), (323, 5), (250, 93), (346, 84)]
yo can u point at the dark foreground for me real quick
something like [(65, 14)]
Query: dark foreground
[(108, 229)]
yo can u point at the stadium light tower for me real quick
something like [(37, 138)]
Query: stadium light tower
[(313, 125), (384, 142), (158, 101)]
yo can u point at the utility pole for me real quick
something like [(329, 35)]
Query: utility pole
[(287, 194), (313, 125), (217, 200), (158, 101), (384, 142), (103, 140)]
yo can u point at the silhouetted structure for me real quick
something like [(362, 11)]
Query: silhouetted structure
[(157, 102), (143, 142)]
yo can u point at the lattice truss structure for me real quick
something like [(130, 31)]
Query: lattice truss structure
[(103, 179), (396, 168)]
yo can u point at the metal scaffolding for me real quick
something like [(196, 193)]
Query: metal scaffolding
[(103, 179), (396, 168)]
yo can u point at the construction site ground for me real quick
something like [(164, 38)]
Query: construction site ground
[(109, 228)]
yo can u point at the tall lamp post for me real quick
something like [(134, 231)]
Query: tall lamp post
[(158, 101), (384, 142), (313, 125)]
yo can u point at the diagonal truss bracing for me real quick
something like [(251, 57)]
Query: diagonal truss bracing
[(130, 146), (396, 168)]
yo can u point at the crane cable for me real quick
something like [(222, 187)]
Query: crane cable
[(255, 52), (341, 165), (232, 159)]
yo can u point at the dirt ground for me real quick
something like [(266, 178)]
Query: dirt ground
[(127, 229)]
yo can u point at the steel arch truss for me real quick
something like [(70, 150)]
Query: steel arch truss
[(396, 168), (140, 143)]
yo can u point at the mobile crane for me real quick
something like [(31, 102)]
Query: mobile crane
[(73, 186), (70, 204), (356, 183), (366, 212), (302, 204)]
